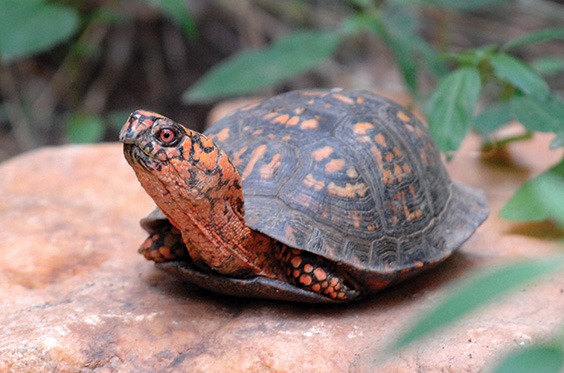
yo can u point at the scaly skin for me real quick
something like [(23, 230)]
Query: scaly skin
[(210, 219), (199, 190)]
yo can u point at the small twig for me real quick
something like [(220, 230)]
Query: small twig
[(153, 64), (15, 110), (64, 78), (493, 143), (118, 54)]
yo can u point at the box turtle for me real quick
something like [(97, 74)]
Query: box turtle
[(311, 196)]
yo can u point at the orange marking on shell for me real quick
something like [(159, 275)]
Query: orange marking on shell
[(258, 132), (348, 191), (361, 128), (269, 116), (312, 93), (343, 98), (311, 182), (257, 154), (398, 172), (356, 219), (360, 100), (267, 170), (222, 135), (236, 159), (389, 157), (316, 288), (403, 117), (251, 106), (281, 119), (271, 136), (320, 274), (377, 155), (305, 279), (334, 165), (416, 214), (380, 139), (388, 176), (308, 268), (293, 121), (352, 173), (310, 124), (286, 138), (322, 153), (397, 152), (406, 212), (407, 169)]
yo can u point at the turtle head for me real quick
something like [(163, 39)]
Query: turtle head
[(172, 160), (155, 142)]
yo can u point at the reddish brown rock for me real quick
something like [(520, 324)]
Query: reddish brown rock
[(77, 296)]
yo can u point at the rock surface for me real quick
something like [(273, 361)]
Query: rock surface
[(77, 296)]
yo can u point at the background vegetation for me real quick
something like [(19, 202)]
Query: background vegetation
[(71, 71)]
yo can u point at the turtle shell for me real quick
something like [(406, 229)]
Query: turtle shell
[(350, 176)]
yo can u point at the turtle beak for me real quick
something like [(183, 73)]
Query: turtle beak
[(127, 134)]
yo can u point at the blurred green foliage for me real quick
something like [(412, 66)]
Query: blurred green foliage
[(33, 26)]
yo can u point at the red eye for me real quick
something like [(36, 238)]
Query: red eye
[(167, 136)]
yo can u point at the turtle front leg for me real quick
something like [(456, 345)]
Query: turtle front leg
[(165, 244), (315, 273)]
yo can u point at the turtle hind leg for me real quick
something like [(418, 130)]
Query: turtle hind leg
[(163, 245), (315, 273)]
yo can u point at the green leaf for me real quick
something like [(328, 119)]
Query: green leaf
[(539, 199), (32, 26), (451, 106), (539, 358), (511, 70), (543, 115), (493, 117), (85, 128), (402, 51), (178, 12), (535, 37), (251, 70), (406, 46), (558, 141), (476, 292), (548, 65)]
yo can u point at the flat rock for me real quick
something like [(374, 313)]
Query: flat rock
[(76, 296)]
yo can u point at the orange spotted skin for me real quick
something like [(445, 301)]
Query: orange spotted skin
[(312, 196)]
